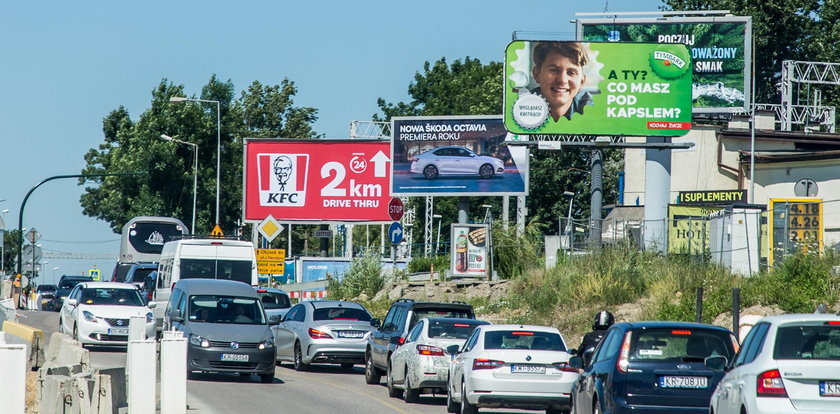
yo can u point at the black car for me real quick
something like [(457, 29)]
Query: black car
[(47, 293), (65, 285), (391, 332)]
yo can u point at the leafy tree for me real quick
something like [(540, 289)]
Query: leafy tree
[(166, 189)]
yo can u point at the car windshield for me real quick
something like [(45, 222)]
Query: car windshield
[(452, 330), (524, 339), (274, 300), (340, 314), (808, 342), (239, 270), (679, 344), (111, 296), (69, 283), (226, 309)]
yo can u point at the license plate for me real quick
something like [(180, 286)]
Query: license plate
[(527, 369), (235, 357), (830, 388), (351, 334), (117, 331), (683, 382)]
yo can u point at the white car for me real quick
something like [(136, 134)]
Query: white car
[(511, 366), (455, 161), (786, 364), (421, 363), (98, 313)]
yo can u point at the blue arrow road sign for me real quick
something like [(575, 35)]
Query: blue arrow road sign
[(395, 232)]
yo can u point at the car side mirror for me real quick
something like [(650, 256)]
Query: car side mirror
[(375, 323), (453, 349), (716, 363), (151, 305), (576, 362), (175, 316), (571, 351), (73, 302), (274, 320), (587, 356)]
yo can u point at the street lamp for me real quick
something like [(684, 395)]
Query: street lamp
[(569, 228), (218, 142), (195, 174), (437, 243), (54, 269)]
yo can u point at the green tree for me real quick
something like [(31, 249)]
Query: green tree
[(166, 190)]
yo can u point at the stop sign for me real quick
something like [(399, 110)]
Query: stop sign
[(395, 209)]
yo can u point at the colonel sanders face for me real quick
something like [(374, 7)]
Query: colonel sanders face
[(282, 170)]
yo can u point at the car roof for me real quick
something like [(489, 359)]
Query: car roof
[(65, 277), (456, 320), (216, 287), (800, 317), (668, 325), (518, 327), (108, 285), (145, 265), (271, 290), (320, 304)]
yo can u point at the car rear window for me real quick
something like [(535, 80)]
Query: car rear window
[(340, 314), (679, 344), (272, 300), (524, 339), (140, 274), (452, 330), (45, 288), (808, 342), (440, 313), (239, 270)]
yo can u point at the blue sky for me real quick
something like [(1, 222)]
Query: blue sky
[(66, 65)]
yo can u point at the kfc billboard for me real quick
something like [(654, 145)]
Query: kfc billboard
[(316, 180)]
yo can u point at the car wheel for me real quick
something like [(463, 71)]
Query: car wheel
[(267, 378), (60, 325), (372, 376), (430, 172), (466, 407), (347, 366), (486, 171), (596, 406), (76, 332), (299, 365), (451, 405), (244, 374), (410, 395), (389, 379)]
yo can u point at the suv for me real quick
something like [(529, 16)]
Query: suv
[(138, 271), (391, 332)]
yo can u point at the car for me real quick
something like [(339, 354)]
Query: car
[(226, 327), (138, 271), (787, 364), (275, 301), (98, 313), (330, 331), (65, 284), (454, 160), (653, 367), (391, 332), (511, 366), (421, 364), (120, 270), (47, 292)]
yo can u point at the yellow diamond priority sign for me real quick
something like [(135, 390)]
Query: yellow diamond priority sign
[(270, 228)]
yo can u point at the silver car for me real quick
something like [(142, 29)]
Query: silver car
[(275, 301), (332, 332), (454, 160)]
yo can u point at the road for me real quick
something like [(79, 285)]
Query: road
[(322, 389)]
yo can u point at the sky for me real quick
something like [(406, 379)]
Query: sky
[(66, 65)]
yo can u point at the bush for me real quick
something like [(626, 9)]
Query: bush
[(514, 253), (424, 264), (363, 276)]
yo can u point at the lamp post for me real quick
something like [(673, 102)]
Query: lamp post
[(54, 269), (488, 220), (569, 227), (218, 141), (437, 243), (3, 240), (195, 173)]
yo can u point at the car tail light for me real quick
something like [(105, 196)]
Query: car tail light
[(484, 363), (402, 340), (735, 345), (261, 291), (680, 332), (770, 384), (150, 294), (429, 350), (564, 366), (624, 354), (316, 334), (461, 325), (525, 333), (833, 323)]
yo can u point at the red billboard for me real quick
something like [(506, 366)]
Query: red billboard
[(316, 180)]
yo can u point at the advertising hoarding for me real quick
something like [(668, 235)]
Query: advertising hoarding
[(688, 229), (456, 156), (796, 225), (316, 180), (469, 250), (589, 88), (720, 52)]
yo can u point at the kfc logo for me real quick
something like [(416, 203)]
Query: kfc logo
[(282, 179)]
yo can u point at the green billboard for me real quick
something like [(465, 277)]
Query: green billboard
[(588, 88), (719, 46)]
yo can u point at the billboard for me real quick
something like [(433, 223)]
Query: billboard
[(456, 156), (688, 230), (720, 52), (796, 225), (469, 250), (316, 180), (587, 88)]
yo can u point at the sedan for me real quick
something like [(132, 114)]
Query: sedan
[(98, 313), (455, 161), (421, 364), (333, 332), (511, 366), (787, 364), (653, 367)]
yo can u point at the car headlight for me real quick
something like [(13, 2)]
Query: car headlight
[(89, 316), (267, 344), (150, 317), (199, 341)]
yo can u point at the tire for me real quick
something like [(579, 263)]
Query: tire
[(430, 172), (347, 366), (372, 376), (389, 379), (244, 374), (486, 171), (298, 360), (60, 325), (76, 332), (596, 406), (410, 395), (451, 405), (466, 407), (267, 378)]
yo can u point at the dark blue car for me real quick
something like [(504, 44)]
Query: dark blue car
[(653, 367)]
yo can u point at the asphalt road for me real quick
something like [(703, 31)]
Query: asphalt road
[(322, 389)]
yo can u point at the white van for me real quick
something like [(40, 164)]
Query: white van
[(203, 259)]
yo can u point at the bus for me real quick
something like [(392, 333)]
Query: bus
[(143, 239)]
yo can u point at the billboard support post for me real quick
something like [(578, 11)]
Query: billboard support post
[(521, 212), (595, 218), (657, 193), (505, 210), (463, 209)]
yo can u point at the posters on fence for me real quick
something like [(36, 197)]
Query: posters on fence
[(469, 250), (688, 229)]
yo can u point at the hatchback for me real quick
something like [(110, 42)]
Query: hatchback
[(98, 313), (455, 161), (653, 367), (787, 364)]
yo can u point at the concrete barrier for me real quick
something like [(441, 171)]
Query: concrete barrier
[(66, 351), (33, 338), (13, 378), (141, 356), (173, 373)]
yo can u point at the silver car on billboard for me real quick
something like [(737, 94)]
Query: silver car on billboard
[(453, 160)]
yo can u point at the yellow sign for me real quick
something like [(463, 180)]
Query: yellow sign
[(217, 232), (271, 255), (94, 273), (688, 229), (270, 228), (270, 267), (796, 224)]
